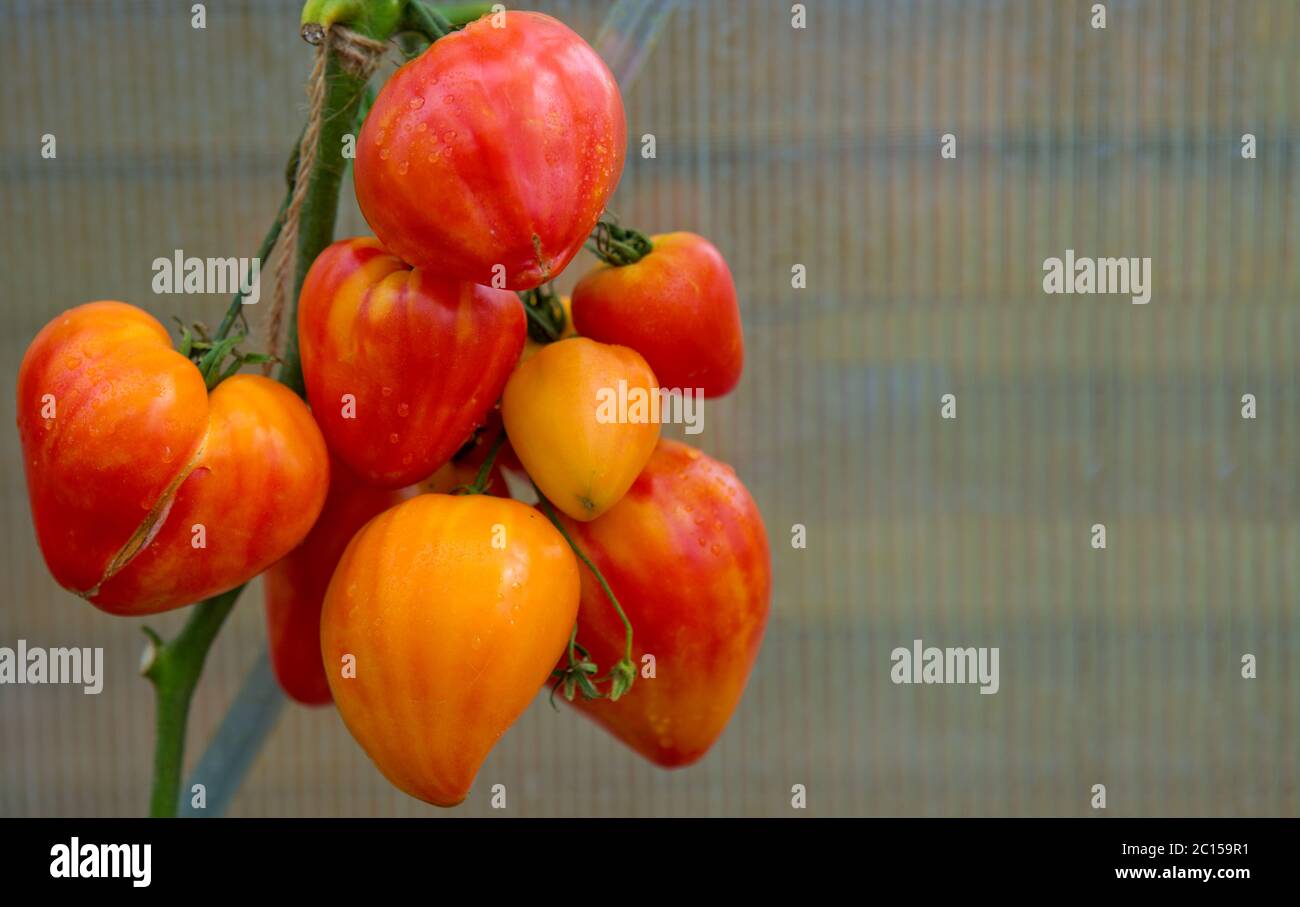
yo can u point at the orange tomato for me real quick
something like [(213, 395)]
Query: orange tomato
[(453, 611), (148, 493), (563, 415), (294, 587), (686, 553)]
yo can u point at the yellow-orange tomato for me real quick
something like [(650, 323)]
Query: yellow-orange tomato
[(147, 492), (578, 418), (453, 610)]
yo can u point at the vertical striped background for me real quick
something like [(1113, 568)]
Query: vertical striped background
[(819, 147)]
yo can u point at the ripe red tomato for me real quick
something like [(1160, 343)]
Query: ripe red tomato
[(493, 153), (581, 453), (295, 585), (401, 365), (453, 610), (146, 492), (676, 306), (686, 553)]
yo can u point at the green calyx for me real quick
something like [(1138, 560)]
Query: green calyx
[(617, 246)]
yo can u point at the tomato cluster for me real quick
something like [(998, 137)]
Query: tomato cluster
[(404, 580)]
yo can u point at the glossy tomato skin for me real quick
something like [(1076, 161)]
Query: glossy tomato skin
[(452, 634), (421, 359), (686, 553), (676, 306), (294, 587), (582, 461), (497, 146), (147, 493)]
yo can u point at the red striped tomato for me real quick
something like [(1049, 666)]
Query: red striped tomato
[(493, 153), (686, 553), (401, 365)]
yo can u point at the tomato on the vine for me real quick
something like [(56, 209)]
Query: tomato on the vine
[(401, 365), (490, 156), (295, 585), (147, 492), (444, 617), (676, 306), (686, 553), (562, 415)]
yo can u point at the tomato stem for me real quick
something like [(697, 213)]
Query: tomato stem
[(481, 481), (174, 668), (623, 673), (618, 246)]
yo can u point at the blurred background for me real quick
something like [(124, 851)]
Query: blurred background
[(820, 147)]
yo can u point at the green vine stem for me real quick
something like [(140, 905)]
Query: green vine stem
[(617, 246), (622, 675), (481, 480), (174, 668)]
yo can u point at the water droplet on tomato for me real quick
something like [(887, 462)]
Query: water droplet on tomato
[(167, 455), (393, 438), (416, 102), (403, 410), (716, 548), (386, 391), (403, 167), (72, 360), (383, 154), (421, 127)]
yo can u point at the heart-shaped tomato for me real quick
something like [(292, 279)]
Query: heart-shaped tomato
[(401, 365), (579, 418), (491, 155), (443, 619), (146, 492), (686, 553), (676, 306)]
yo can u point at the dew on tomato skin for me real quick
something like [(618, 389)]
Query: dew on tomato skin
[(71, 361), (167, 455), (393, 438), (386, 391), (403, 410), (383, 154), (716, 548), (403, 167), (416, 102)]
